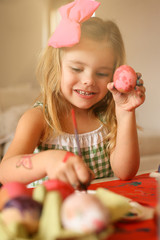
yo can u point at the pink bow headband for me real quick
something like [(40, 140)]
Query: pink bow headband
[(68, 31)]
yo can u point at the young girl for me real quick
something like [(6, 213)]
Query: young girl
[(77, 74)]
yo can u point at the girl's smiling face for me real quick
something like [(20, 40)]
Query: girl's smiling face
[(86, 69)]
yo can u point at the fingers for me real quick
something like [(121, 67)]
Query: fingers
[(92, 176), (62, 177), (76, 172), (72, 177), (70, 168), (112, 89), (140, 89), (139, 86), (139, 75), (139, 80), (139, 92), (84, 174)]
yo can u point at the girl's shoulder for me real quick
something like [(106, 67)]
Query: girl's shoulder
[(33, 117), (28, 132)]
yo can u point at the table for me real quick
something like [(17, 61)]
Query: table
[(142, 189)]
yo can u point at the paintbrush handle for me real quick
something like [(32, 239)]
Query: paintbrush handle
[(76, 132)]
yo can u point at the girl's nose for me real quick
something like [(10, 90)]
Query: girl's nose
[(88, 79)]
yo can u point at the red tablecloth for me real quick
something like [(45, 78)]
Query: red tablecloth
[(143, 230), (142, 189)]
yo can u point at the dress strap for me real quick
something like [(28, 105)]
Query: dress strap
[(38, 104)]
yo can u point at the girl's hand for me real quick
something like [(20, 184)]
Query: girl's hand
[(73, 170), (131, 100)]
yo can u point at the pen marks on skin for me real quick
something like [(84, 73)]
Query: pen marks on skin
[(25, 161)]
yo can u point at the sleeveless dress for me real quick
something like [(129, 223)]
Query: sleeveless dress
[(93, 148)]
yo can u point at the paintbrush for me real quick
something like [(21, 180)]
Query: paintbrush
[(76, 131), (82, 185)]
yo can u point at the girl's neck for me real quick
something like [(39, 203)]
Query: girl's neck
[(86, 122)]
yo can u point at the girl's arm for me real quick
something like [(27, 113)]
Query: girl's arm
[(125, 158), (20, 164), (27, 135)]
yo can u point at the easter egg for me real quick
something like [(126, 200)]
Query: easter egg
[(24, 210), (84, 213), (124, 78)]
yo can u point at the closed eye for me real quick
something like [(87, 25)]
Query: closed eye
[(102, 74), (76, 69)]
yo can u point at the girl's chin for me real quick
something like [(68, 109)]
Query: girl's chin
[(82, 107)]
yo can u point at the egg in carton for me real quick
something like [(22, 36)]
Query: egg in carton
[(60, 203)]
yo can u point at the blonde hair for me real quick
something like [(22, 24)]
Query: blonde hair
[(49, 74)]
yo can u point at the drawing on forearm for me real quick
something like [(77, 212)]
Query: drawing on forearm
[(25, 161)]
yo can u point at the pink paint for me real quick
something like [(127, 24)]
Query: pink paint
[(100, 225), (125, 79)]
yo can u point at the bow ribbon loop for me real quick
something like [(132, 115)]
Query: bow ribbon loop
[(68, 31)]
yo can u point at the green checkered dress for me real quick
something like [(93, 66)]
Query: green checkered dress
[(93, 149)]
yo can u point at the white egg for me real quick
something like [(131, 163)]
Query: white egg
[(84, 213)]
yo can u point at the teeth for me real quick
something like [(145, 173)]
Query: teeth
[(84, 93)]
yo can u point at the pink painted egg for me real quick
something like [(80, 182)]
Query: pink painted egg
[(125, 79), (84, 213)]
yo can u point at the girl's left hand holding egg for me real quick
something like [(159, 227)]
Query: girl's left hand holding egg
[(130, 99)]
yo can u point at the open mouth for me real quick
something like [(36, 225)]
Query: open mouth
[(85, 93)]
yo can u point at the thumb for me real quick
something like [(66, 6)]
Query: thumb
[(113, 90), (111, 86)]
